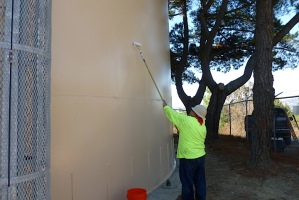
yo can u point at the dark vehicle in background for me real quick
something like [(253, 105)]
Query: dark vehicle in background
[(281, 125)]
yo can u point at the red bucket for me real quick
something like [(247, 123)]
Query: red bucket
[(136, 194)]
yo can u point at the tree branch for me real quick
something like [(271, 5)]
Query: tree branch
[(176, 14), (286, 29), (201, 18), (179, 71), (219, 19)]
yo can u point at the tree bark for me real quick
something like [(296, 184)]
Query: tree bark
[(214, 111), (263, 91)]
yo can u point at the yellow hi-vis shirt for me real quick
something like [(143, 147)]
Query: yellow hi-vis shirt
[(192, 135)]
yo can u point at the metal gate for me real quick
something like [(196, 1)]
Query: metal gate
[(25, 56)]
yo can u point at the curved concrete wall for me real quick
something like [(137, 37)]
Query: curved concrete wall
[(109, 132)]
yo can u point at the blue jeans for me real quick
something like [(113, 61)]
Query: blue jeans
[(192, 173)]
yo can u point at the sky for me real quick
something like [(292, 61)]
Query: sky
[(285, 81)]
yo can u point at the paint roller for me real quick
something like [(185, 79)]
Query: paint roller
[(138, 45)]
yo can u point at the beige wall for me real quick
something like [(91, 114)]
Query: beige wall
[(109, 132)]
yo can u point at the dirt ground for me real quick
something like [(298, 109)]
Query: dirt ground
[(228, 177)]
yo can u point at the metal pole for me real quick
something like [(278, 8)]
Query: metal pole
[(230, 117), (274, 134), (10, 99), (246, 113), (246, 119), (230, 120)]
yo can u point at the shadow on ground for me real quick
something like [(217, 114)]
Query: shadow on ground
[(228, 176)]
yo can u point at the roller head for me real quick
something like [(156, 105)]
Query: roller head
[(136, 44)]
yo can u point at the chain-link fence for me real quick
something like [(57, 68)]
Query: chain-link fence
[(25, 41), (232, 120)]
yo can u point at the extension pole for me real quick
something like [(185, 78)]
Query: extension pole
[(137, 45)]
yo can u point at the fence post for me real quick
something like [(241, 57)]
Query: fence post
[(230, 117), (246, 113)]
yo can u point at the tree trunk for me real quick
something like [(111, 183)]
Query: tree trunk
[(213, 113), (263, 91)]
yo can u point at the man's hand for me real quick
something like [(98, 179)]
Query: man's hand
[(164, 103)]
